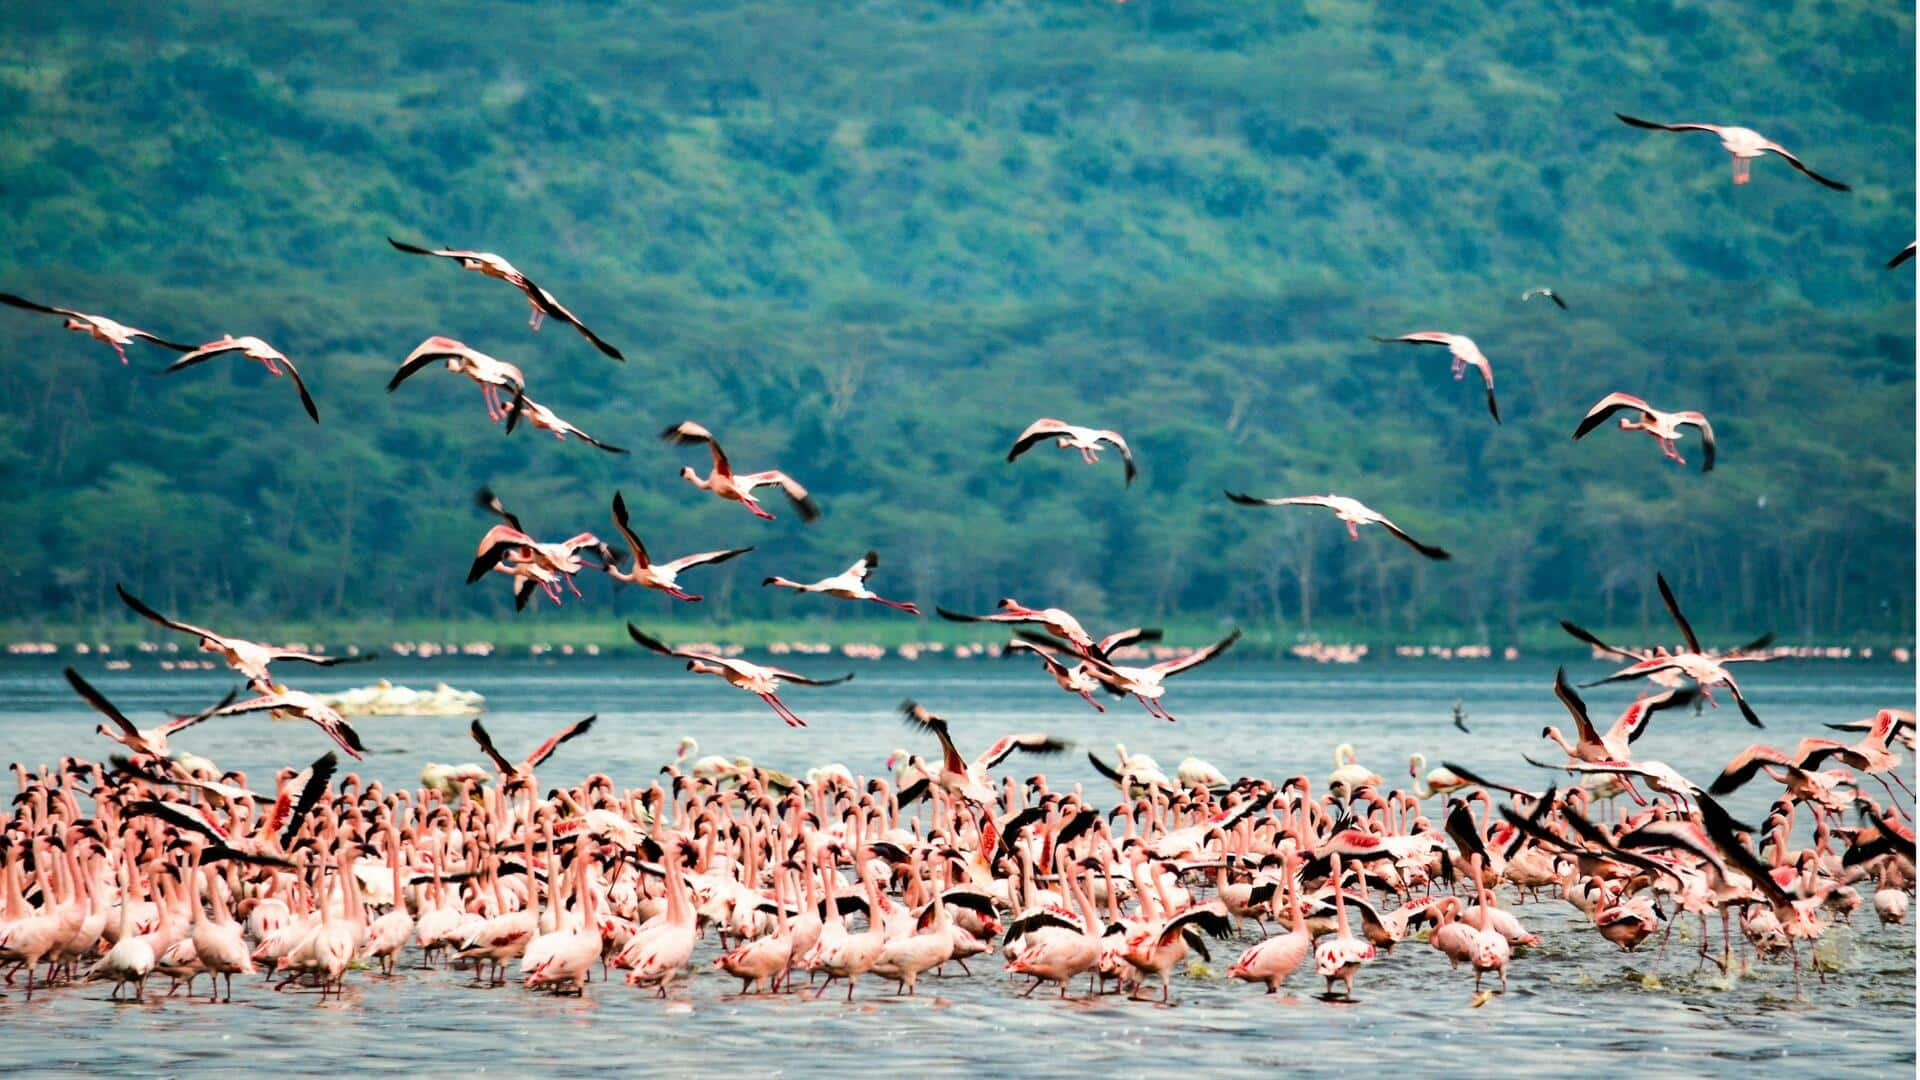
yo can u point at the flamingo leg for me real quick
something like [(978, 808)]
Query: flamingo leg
[(534, 320), (1742, 170)]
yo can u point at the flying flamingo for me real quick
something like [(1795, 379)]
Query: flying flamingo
[(97, 327), (1058, 622), (969, 780), (664, 576), (1663, 426), (540, 300), (300, 705), (1706, 670), (1615, 744), (253, 349), (760, 680), (492, 375), (849, 584), (1351, 511), (249, 658), (723, 482), (1744, 144), (547, 420), (1464, 353), (151, 741), (1074, 680), (1146, 684), (1069, 437), (521, 775)]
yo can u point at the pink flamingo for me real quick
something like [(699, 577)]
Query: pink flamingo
[(253, 349), (1744, 144), (97, 327), (540, 300), (1663, 426), (726, 484)]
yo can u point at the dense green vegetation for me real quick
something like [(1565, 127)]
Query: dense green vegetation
[(868, 243)]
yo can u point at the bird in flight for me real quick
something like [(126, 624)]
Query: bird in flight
[(1744, 144), (1352, 511), (1465, 354)]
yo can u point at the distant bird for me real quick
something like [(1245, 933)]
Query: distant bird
[(253, 349), (1464, 353), (723, 482), (1351, 511), (1542, 290), (1663, 426), (664, 576), (540, 300), (118, 335), (761, 680), (546, 420), (849, 584), (1744, 144), (1905, 254), (1460, 716), (492, 375), (1069, 437), (249, 658)]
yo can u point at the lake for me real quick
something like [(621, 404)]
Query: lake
[(1576, 1004)]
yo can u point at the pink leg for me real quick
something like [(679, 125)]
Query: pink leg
[(1742, 170), (118, 349), (1096, 705), (897, 605), (678, 594), (571, 585), (757, 512), (1353, 531), (534, 320)]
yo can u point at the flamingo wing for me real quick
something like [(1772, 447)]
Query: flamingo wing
[(656, 645), (479, 733), (688, 433), (1428, 550), (100, 703), (1651, 126), (1903, 255), (1422, 337), (803, 502), (1577, 708), (319, 776), (1120, 639), (1776, 148), (625, 525), (1291, 500), (21, 302), (926, 719), (706, 558), (1038, 432), (1673, 608), (1126, 453), (1169, 668), (547, 748), (1699, 420), (1606, 407), (1032, 742), (553, 307), (299, 384), (151, 615)]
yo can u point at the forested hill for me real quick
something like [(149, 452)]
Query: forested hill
[(869, 242)]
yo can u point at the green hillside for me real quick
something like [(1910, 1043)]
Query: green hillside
[(868, 243)]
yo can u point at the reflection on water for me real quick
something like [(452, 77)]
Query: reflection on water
[(1576, 1003)]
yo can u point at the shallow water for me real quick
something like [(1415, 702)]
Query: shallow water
[(1574, 1003)]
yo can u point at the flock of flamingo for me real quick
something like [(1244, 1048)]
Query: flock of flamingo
[(156, 862)]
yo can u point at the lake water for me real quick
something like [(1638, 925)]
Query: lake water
[(1574, 1007)]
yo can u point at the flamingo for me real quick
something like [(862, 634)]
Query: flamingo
[(1440, 782), (507, 550), (1616, 743), (1465, 354), (763, 681), (1348, 774), (1275, 958), (1341, 956), (132, 957), (249, 658), (969, 780), (723, 482), (492, 375), (1069, 437), (521, 775), (97, 327), (664, 576), (1146, 684), (1663, 426), (849, 584), (253, 349), (547, 420), (300, 705), (1074, 680), (1706, 670), (1744, 144), (151, 741), (563, 959), (540, 300), (1056, 621), (1351, 511)]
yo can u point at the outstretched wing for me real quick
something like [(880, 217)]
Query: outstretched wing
[(559, 311), (706, 558), (151, 615), (925, 719), (1575, 707), (621, 522), (1120, 639), (203, 353), (1037, 432), (100, 703), (21, 302), (1776, 148), (1651, 126), (1428, 550), (859, 571), (1168, 668), (319, 776), (656, 645), (1699, 420), (1423, 337), (1604, 408), (1673, 608), (306, 399), (479, 733), (1032, 742), (688, 433), (547, 748), (803, 502)]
